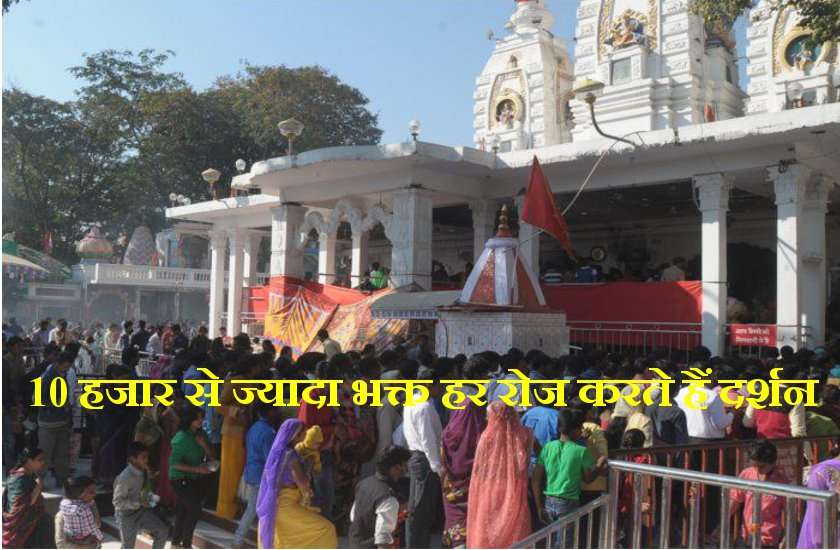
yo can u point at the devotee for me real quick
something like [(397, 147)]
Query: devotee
[(375, 514), (133, 504), (116, 425), (186, 470), (388, 416), (422, 430), (499, 483), (824, 476), (235, 421), (634, 440), (154, 345), (80, 517), (179, 339), (323, 417), (140, 338), (283, 521), (762, 457), (562, 467), (41, 337), (60, 335), (674, 273), (542, 421), (125, 336), (258, 442), (378, 278), (55, 424), (459, 443), (330, 346), (26, 524)]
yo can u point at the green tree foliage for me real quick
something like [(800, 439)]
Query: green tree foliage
[(821, 16), (136, 133)]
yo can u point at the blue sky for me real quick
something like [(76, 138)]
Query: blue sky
[(412, 58)]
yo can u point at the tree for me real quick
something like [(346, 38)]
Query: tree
[(137, 133), (333, 112), (821, 16)]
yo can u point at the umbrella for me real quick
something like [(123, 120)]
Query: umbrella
[(15, 266)]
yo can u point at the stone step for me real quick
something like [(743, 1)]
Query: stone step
[(230, 525), (206, 535)]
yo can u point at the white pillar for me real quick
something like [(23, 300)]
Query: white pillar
[(813, 294), (714, 204), (484, 223), (411, 246), (326, 258), (359, 258), (789, 184), (529, 249), (286, 257), (251, 255), (218, 242), (235, 264)]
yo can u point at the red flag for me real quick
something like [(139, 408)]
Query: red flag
[(540, 211)]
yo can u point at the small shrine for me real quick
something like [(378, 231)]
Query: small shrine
[(94, 247), (787, 70), (501, 306)]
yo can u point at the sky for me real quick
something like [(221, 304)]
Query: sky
[(414, 59)]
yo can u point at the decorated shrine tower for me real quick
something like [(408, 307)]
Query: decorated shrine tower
[(786, 70), (661, 67), (522, 95)]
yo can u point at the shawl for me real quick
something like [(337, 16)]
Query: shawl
[(276, 473), (825, 476), (499, 483), (460, 442), (20, 517)]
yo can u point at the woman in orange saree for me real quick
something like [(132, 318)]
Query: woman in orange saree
[(499, 482)]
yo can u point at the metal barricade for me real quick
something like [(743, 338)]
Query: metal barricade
[(144, 366), (558, 530), (661, 501), (639, 337)]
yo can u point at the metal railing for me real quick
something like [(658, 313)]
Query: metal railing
[(661, 501), (619, 336), (144, 367), (662, 481), (558, 530)]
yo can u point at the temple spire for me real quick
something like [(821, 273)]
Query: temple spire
[(531, 16)]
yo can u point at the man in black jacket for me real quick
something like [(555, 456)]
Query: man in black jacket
[(376, 508)]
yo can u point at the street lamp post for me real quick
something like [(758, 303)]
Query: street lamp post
[(414, 129), (592, 89), (211, 176), (291, 128)]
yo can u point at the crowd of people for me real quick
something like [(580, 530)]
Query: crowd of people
[(391, 476)]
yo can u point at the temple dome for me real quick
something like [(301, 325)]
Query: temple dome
[(94, 246)]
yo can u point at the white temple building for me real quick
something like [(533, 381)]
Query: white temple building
[(711, 167)]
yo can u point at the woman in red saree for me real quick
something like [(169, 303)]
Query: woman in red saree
[(499, 484), (25, 522), (459, 443)]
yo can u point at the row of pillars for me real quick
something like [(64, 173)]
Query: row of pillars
[(801, 201), (243, 247)]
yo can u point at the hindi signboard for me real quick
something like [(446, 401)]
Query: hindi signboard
[(752, 335)]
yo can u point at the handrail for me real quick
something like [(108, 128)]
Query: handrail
[(827, 499), (730, 482), (718, 444), (561, 523)]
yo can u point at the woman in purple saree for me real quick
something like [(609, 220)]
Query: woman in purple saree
[(824, 476), (283, 521), (458, 446)]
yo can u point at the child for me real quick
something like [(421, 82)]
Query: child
[(564, 465), (133, 501), (763, 458), (309, 451), (81, 517), (634, 439)]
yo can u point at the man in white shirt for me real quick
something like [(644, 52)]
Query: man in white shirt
[(331, 347), (375, 511), (674, 273), (422, 428), (708, 422), (155, 345)]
